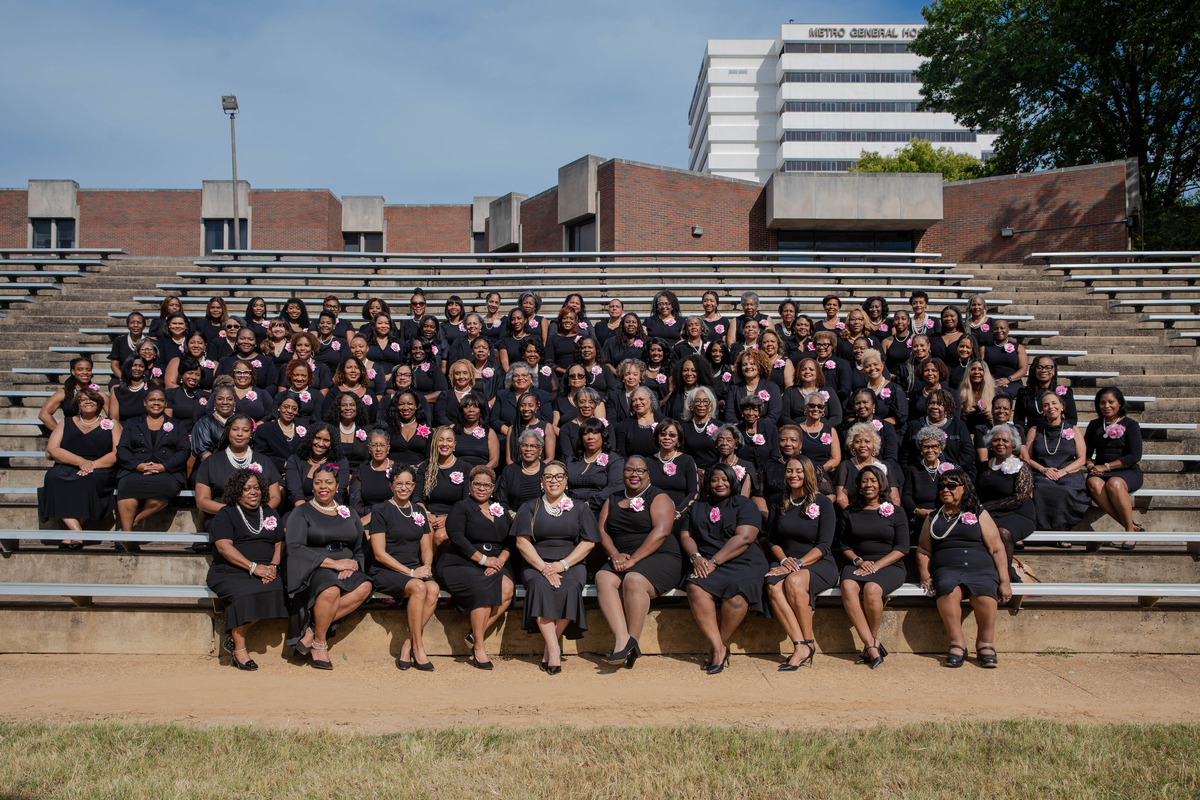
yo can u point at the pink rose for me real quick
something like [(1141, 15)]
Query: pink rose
[(540, 431), (637, 504), (418, 518), (595, 370), (886, 509), (335, 344), (602, 459), (669, 468), (928, 323), (545, 371), (251, 395), (156, 372), (1061, 391), (764, 395), (714, 515), (877, 425), (106, 424), (758, 439), (361, 435), (456, 477), (487, 372), (812, 511), (638, 343), (222, 333), (423, 431), (739, 471), (424, 366), (970, 518), (811, 346), (1009, 347), (202, 401), (256, 364), (778, 363), (1114, 431), (660, 379), (979, 404), (830, 364), (93, 387), (301, 431), (603, 422), (434, 350), (270, 523), (1068, 434), (944, 467), (366, 399), (305, 396), (495, 509), (883, 327), (264, 324), (908, 343), (566, 505), (479, 433), (583, 326), (670, 323), (168, 427), (985, 327), (371, 374), (288, 347), (462, 326), (207, 364), (395, 347), (886, 393), (726, 377), (256, 467), (840, 326), (533, 323), (824, 394), (719, 328), (343, 512), (826, 438), (711, 429)]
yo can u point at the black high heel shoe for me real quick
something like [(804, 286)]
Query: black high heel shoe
[(248, 666), (868, 660), (626, 655), (717, 669), (806, 661), (634, 654), (883, 653), (426, 667)]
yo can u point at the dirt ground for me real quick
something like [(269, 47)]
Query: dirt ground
[(371, 695)]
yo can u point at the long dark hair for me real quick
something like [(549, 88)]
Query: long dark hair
[(970, 498), (857, 502), (304, 449), (333, 411), (223, 442), (391, 412)]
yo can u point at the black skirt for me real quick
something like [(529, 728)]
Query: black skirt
[(163, 486), (469, 588), (246, 598)]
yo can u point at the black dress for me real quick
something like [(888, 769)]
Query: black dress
[(472, 448), (130, 402), (1003, 362), (635, 440), (628, 526), (257, 404), (271, 442), (670, 331), (960, 557), (1060, 504), (711, 526), (588, 481), (68, 495), (678, 478), (370, 487), (700, 444), (473, 531), (187, 408), (412, 451), (138, 445), (871, 536), (1006, 492), (450, 487), (402, 532), (1123, 445), (312, 537), (818, 448), (298, 482), (215, 470), (245, 597), (797, 531), (554, 538), (920, 490)]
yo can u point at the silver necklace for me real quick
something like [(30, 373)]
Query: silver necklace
[(815, 435), (555, 510), (932, 473), (239, 462), (942, 514), (261, 519), (1057, 443), (701, 427), (392, 500)]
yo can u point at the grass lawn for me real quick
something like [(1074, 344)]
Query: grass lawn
[(1022, 759)]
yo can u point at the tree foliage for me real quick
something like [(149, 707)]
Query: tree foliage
[(921, 156), (1070, 82)]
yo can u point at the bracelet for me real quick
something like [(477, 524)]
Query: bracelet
[(566, 566), (694, 556), (713, 561), (857, 561), (253, 566)]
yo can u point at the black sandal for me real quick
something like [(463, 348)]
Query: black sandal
[(956, 659), (987, 662)]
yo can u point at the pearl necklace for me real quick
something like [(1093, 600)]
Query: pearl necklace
[(82, 422), (553, 510), (392, 500), (943, 515), (1057, 444), (345, 432), (701, 427), (239, 462), (261, 519), (327, 509)]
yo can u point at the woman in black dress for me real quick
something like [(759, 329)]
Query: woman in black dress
[(673, 471), (325, 561), (247, 541), (979, 324), (920, 496), (891, 404), (718, 325), (644, 560), (959, 554), (212, 325), (873, 540), (1004, 484), (521, 480), (125, 399), (529, 416), (700, 427), (719, 540), (188, 402), (560, 344), (1114, 448), (958, 448), (563, 407), (554, 535), (173, 339), (728, 440), (476, 442), (626, 344), (1056, 453), (402, 546), (233, 452), (531, 304), (593, 468), (298, 381), (665, 322), (79, 378), (318, 448), (152, 458), (635, 433), (79, 487), (295, 314), (371, 483), (428, 378), (252, 401), (1006, 359), (752, 369), (819, 442), (799, 540), (944, 344), (862, 450), (694, 342), (587, 404), (408, 428), (125, 346), (279, 439), (1043, 378), (441, 481), (474, 568), (346, 414)]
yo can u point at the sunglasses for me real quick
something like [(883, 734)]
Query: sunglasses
[(951, 485)]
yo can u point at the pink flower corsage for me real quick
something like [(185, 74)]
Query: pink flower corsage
[(812, 511), (824, 394), (256, 467), (979, 404), (93, 387), (778, 363), (908, 343), (637, 504), (495, 509), (670, 323), (1114, 431), (202, 401), (335, 344), (830, 364), (418, 518), (456, 477), (669, 468), (739, 471), (462, 326), (758, 439), (270, 523), (168, 427), (603, 421), (885, 393), (595, 370), (1068, 434), (251, 395), (719, 328), (361, 435), (222, 333), (577, 338), (106, 424), (423, 431), (288, 347), (1061, 391), (305, 396), (487, 372), (969, 518), (424, 366), (877, 425), (928, 323), (540, 431), (264, 324), (660, 379), (566, 505), (207, 364), (156, 372), (886, 509), (944, 467), (602, 459), (1009, 347), (714, 515), (545, 370), (826, 438), (301, 431), (841, 326), (533, 323), (343, 512), (256, 364), (371, 374), (711, 429), (583, 326), (638, 343), (985, 327), (366, 400), (883, 327), (395, 347), (726, 377), (764, 395), (811, 347)]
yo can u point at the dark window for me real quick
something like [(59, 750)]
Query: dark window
[(818, 166), (478, 243), (853, 47), (351, 243), (849, 77), (876, 136), (581, 236), (65, 232), (372, 243), (826, 241), (43, 232), (218, 234)]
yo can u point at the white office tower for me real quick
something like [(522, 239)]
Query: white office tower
[(812, 100)]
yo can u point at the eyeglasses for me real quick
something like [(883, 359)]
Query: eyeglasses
[(635, 471), (1044, 367), (478, 485), (241, 372), (931, 446), (404, 484), (951, 485), (557, 477)]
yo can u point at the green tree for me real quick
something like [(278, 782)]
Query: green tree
[(920, 156), (1069, 82)]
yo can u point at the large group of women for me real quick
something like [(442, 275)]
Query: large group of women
[(753, 461)]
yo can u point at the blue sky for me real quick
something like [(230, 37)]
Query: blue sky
[(420, 102)]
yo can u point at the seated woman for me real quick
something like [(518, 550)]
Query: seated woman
[(959, 554), (1057, 456), (79, 487), (247, 540), (863, 449), (563, 406), (247, 349), (152, 458), (441, 481), (346, 414), (636, 433), (819, 442), (298, 382), (474, 568), (304, 345), (232, 453), (351, 376), (593, 468), (932, 376), (673, 471), (1004, 484), (318, 448), (408, 428), (521, 480), (528, 417), (188, 402), (79, 378), (1113, 444), (619, 403), (700, 427), (1043, 378), (402, 544), (920, 495), (475, 442), (371, 483), (375, 380), (462, 383), (325, 560), (588, 405), (644, 560), (279, 439), (719, 541), (862, 409), (554, 536), (873, 539), (1007, 359), (208, 429), (799, 539), (958, 448), (964, 353), (125, 400), (690, 372)]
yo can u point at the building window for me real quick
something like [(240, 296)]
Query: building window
[(849, 77), (858, 47), (218, 234), (362, 242), (818, 166), (826, 241), (581, 236), (851, 107), (876, 136), (478, 243), (56, 232)]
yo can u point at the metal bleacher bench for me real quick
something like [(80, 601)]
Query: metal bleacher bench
[(486, 259), (41, 255)]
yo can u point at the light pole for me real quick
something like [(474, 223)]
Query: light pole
[(229, 105)]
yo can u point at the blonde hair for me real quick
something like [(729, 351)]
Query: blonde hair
[(967, 396), (431, 466)]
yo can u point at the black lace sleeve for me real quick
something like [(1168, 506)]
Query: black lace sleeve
[(1022, 491)]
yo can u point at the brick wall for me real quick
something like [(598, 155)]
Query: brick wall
[(295, 219), (146, 222), (975, 211), (14, 219), (428, 228), (540, 231)]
